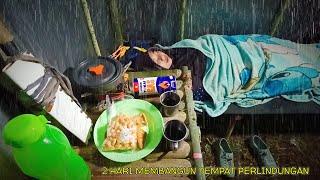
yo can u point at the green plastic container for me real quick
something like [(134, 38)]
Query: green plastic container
[(130, 107), (42, 151)]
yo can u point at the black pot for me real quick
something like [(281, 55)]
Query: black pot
[(106, 82)]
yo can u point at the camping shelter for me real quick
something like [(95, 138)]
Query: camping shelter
[(57, 31)]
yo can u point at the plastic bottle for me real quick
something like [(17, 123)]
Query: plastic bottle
[(42, 150)]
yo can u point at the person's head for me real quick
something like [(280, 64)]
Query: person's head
[(159, 57)]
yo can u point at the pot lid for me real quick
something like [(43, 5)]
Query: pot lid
[(96, 72)]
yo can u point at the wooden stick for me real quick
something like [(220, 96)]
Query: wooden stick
[(90, 27), (115, 22), (183, 4), (232, 124), (192, 118), (279, 16), (5, 35)]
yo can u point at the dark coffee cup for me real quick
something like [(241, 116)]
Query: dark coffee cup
[(169, 101), (175, 131)]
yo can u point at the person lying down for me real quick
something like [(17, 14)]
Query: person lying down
[(244, 69)]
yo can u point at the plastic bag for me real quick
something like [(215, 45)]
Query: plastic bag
[(126, 132)]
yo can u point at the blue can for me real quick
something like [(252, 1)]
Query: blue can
[(154, 85)]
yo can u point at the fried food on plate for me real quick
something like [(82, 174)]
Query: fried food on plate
[(126, 133)]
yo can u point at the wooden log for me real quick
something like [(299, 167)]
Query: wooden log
[(90, 153), (180, 93), (5, 34), (182, 106), (182, 152), (179, 84)]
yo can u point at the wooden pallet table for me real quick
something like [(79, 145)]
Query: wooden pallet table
[(188, 154)]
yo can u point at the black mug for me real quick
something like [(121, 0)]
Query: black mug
[(175, 132)]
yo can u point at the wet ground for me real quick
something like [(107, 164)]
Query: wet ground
[(296, 148)]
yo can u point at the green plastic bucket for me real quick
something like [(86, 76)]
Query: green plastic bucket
[(130, 107)]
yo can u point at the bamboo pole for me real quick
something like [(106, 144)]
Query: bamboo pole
[(90, 27), (183, 4), (279, 16), (5, 35), (193, 127), (115, 22)]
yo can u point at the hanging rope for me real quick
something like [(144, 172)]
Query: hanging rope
[(90, 27)]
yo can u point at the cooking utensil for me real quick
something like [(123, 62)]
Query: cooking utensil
[(175, 132), (169, 101), (104, 79)]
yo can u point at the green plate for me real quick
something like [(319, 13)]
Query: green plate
[(131, 107)]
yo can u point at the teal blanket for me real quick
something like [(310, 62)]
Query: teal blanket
[(253, 69)]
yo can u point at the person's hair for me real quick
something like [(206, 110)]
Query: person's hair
[(144, 62), (153, 49)]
